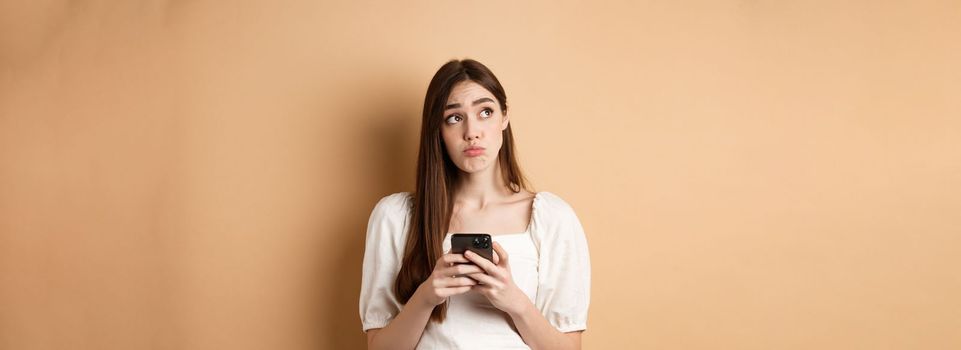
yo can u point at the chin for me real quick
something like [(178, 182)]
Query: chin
[(474, 166)]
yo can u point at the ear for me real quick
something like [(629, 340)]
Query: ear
[(506, 122)]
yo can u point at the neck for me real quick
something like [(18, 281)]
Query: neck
[(479, 189)]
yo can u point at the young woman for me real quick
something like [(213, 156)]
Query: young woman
[(535, 292)]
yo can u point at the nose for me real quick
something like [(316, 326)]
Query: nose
[(472, 132)]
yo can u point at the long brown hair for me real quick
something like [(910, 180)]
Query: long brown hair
[(437, 175)]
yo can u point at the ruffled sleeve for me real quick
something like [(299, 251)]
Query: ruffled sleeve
[(386, 232), (564, 267)]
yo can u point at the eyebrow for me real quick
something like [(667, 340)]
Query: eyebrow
[(476, 102)]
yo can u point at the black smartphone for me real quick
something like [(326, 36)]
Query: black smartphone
[(479, 243)]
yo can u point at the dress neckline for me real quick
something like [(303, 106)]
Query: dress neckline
[(497, 235), (530, 223)]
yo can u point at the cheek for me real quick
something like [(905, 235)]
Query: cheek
[(497, 133), (448, 137)]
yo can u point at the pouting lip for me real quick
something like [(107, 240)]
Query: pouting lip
[(472, 148)]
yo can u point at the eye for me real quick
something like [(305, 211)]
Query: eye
[(487, 113), (453, 118)]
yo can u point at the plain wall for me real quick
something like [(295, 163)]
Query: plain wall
[(750, 174)]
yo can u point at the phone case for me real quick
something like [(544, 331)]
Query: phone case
[(479, 243)]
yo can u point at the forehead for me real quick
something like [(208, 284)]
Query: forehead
[(468, 91)]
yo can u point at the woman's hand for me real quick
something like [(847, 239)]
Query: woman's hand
[(496, 282), (448, 279)]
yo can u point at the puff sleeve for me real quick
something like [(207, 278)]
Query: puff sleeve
[(564, 268), (383, 253)]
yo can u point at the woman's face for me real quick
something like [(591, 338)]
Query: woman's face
[(472, 127)]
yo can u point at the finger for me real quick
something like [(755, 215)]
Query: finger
[(455, 291), (457, 271), (462, 269), (480, 261), (457, 282), (485, 279), (501, 253), (483, 289), (451, 258)]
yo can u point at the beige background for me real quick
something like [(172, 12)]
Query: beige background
[(751, 174)]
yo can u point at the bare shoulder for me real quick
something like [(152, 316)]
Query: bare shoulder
[(522, 197), (520, 203)]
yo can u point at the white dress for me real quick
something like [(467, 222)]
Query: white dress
[(549, 263)]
